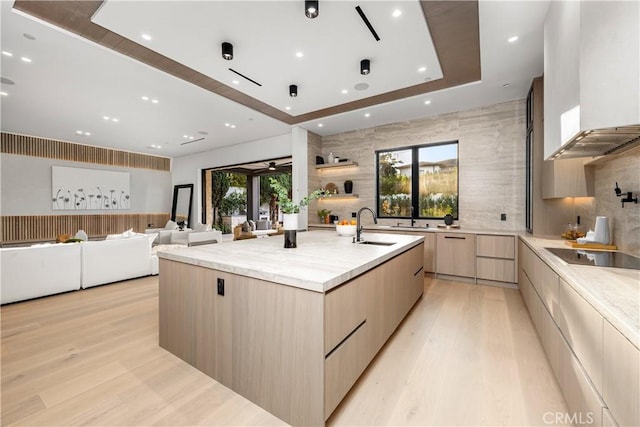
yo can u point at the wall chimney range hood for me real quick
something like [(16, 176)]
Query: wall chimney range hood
[(599, 142)]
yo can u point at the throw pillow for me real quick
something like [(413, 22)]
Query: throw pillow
[(246, 226), (252, 223), (201, 227), (171, 225)]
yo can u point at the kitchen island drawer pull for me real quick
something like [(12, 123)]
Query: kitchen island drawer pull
[(455, 237)]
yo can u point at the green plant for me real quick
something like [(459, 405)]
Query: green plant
[(322, 213), (286, 204), (234, 203), (220, 182)]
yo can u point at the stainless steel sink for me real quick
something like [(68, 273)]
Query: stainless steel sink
[(369, 242)]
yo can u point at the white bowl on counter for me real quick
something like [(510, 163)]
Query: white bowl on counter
[(346, 230)]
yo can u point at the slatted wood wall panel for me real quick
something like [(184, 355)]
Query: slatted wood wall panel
[(53, 149), (39, 228)]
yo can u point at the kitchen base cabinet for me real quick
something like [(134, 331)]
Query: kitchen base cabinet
[(621, 377), (597, 368), (456, 254), (495, 258)]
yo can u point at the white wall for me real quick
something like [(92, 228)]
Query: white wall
[(26, 187), (188, 169)]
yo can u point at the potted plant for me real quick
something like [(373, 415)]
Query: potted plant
[(323, 214), (290, 210)]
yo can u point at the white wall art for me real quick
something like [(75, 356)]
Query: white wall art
[(89, 189)]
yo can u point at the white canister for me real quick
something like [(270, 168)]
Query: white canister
[(602, 230)]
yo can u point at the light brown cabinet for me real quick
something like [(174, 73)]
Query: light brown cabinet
[(583, 400), (294, 352), (456, 254), (621, 377), (495, 258)]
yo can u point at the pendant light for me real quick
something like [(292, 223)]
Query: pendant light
[(293, 91), (311, 8)]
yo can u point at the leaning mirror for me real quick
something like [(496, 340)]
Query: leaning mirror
[(182, 198)]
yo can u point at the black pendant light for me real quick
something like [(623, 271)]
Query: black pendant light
[(272, 166), (227, 51), (311, 8), (365, 67), (293, 91)]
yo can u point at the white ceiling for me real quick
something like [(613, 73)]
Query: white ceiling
[(72, 84)]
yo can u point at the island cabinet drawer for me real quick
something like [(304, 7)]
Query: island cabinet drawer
[(501, 270), (621, 377), (343, 367), (496, 246), (344, 310)]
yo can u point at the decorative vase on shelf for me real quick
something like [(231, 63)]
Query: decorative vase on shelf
[(290, 226), (448, 219), (348, 186), (330, 157)]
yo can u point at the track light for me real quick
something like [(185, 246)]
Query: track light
[(293, 91), (365, 67), (272, 166), (311, 8), (227, 51)]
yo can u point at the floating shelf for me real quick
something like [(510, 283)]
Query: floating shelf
[(337, 165), (340, 196)]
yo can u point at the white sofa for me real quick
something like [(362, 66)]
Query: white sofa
[(114, 260), (31, 272), (41, 270)]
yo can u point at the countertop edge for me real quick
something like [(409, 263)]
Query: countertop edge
[(181, 255)]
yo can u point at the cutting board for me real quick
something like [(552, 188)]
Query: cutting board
[(575, 245)]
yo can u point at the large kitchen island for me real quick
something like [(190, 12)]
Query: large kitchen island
[(289, 329)]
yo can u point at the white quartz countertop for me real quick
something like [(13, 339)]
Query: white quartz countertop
[(614, 292), (321, 261)]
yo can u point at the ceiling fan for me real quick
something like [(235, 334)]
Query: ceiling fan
[(273, 167)]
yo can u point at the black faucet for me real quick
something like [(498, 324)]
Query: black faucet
[(629, 198), (413, 219), (358, 226)]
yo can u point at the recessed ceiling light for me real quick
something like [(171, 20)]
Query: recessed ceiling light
[(155, 101), (78, 132), (115, 119), (344, 91), (227, 124), (422, 69), (427, 102), (299, 54), (146, 37), (7, 53), (185, 136), (145, 98), (287, 108), (396, 13), (235, 82), (367, 115), (320, 125), (512, 39), (87, 133), (105, 117), (25, 59), (233, 126), (4, 94)]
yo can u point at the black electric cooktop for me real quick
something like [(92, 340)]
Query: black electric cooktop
[(596, 258)]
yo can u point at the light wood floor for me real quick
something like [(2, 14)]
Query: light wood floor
[(466, 355)]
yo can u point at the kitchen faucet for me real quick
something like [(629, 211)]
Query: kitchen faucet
[(413, 219), (358, 226)]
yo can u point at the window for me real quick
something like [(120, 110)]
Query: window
[(418, 182)]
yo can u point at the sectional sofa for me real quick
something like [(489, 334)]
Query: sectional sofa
[(40, 270)]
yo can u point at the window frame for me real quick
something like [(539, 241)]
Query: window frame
[(415, 177)]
